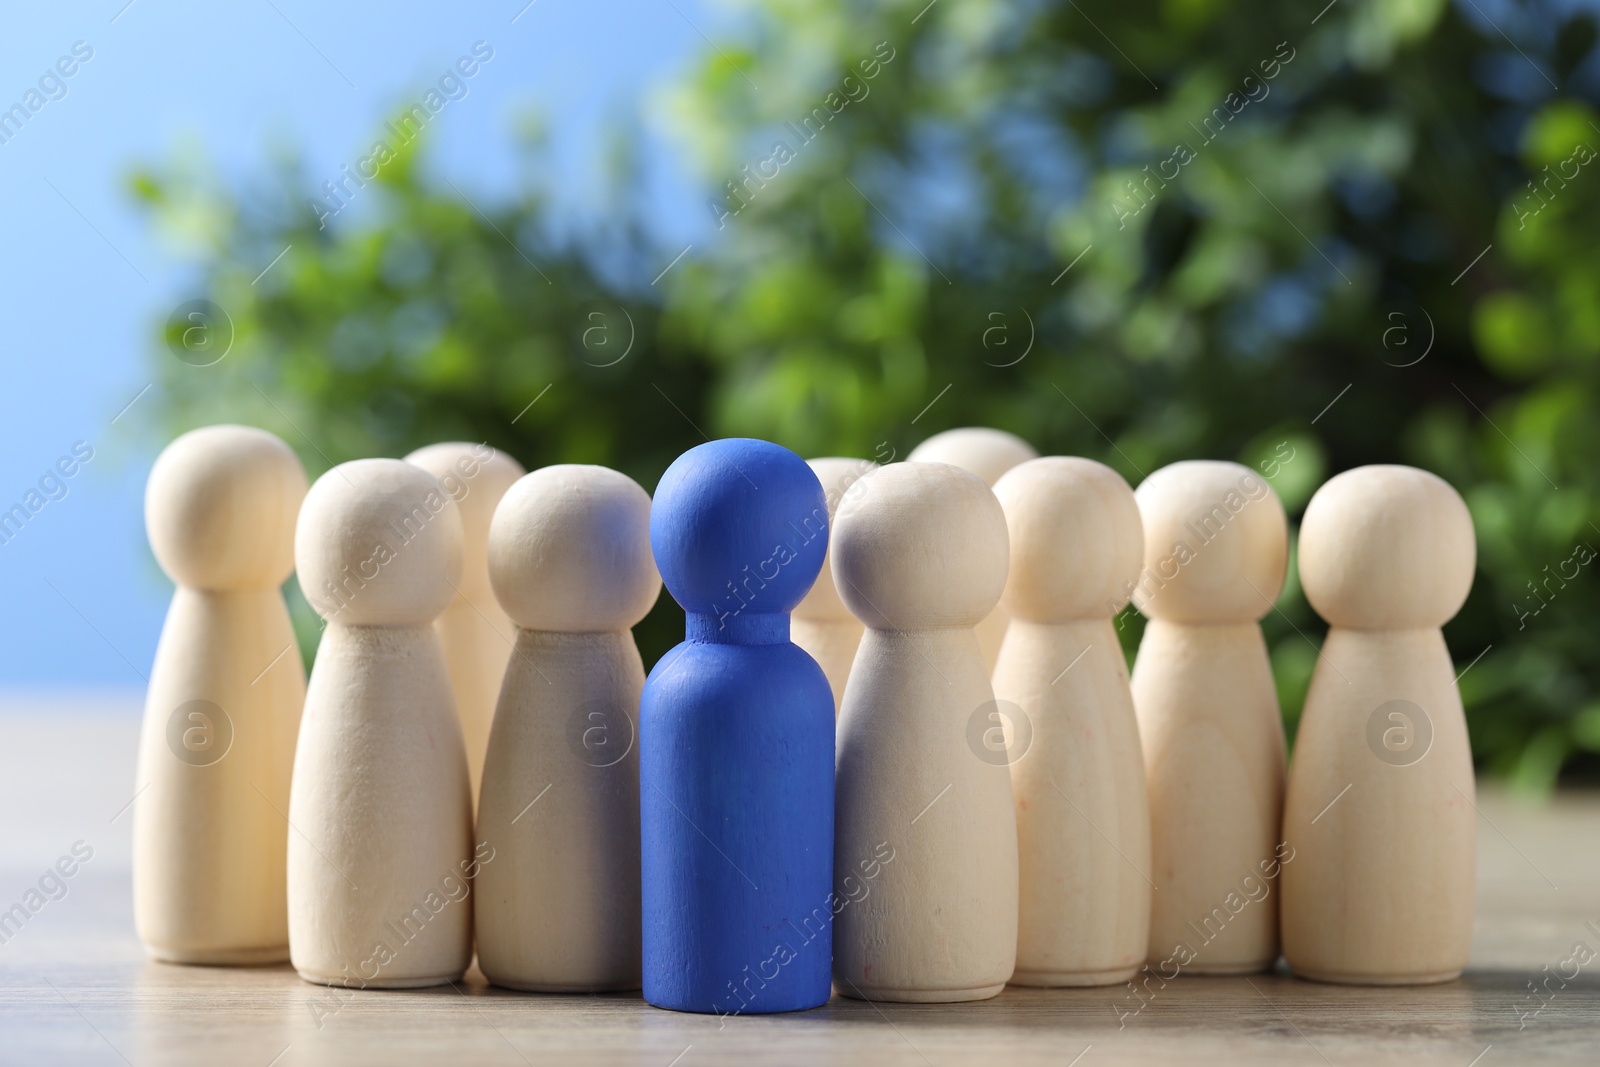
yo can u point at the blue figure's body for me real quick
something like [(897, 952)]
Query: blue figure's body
[(736, 742)]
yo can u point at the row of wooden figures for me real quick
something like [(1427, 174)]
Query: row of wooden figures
[(481, 758)]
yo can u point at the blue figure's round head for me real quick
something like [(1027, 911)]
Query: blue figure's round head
[(739, 527)]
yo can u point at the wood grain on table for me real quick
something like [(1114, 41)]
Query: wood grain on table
[(75, 986)]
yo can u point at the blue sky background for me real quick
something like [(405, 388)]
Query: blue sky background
[(84, 282)]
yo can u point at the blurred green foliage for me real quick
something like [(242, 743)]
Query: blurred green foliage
[(1142, 233)]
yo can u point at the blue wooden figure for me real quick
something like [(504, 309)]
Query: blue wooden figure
[(736, 742)]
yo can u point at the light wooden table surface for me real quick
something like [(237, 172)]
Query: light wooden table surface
[(75, 987)]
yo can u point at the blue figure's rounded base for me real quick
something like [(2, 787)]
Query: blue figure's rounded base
[(736, 829), (729, 1004)]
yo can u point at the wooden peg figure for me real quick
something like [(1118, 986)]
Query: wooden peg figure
[(822, 625), (1077, 770), (380, 867), (988, 454), (985, 452), (475, 632), (736, 742), (558, 909), (926, 852), (1380, 807), (223, 707), (1216, 545)]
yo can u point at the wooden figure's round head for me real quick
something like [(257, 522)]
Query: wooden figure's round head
[(378, 544), (922, 545), (220, 508), (476, 477), (1077, 541), (569, 551), (1216, 544), (985, 452), (838, 477), (739, 528), (1387, 548)]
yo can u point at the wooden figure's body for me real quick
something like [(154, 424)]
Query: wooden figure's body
[(822, 625), (988, 454), (1077, 770), (736, 742), (1214, 760), (925, 857), (558, 910), (1216, 550), (381, 865), (223, 707), (475, 633), (1380, 802)]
